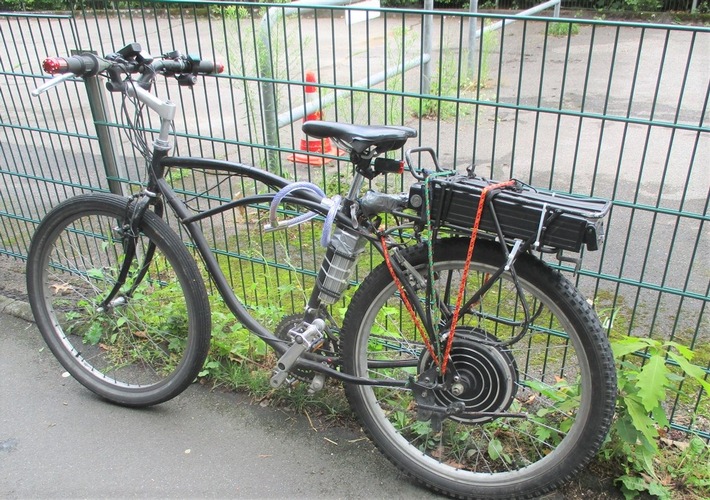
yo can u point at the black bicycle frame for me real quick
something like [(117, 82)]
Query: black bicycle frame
[(190, 221)]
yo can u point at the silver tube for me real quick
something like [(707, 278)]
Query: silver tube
[(97, 102), (533, 10), (426, 46), (471, 59)]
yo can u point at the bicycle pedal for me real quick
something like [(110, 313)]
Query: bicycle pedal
[(302, 343), (285, 362)]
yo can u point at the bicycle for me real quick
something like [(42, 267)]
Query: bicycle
[(471, 364)]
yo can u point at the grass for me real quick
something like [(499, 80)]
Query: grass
[(680, 471), (239, 361), (681, 464), (562, 29)]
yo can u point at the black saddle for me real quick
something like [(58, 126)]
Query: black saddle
[(360, 138)]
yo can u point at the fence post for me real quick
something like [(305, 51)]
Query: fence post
[(426, 46), (268, 92), (471, 60), (97, 103)]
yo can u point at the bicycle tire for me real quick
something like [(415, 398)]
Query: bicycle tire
[(564, 383), (149, 345)]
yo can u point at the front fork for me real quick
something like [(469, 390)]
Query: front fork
[(129, 231)]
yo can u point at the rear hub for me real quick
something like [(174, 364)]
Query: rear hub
[(485, 376)]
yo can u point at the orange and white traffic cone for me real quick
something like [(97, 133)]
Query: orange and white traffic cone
[(318, 146)]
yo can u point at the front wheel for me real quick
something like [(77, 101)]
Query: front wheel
[(147, 343), (536, 410)]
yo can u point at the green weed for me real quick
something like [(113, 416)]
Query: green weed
[(637, 431), (560, 29)]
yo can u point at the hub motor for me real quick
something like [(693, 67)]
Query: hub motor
[(487, 375)]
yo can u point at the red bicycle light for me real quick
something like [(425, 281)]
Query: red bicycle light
[(218, 67), (54, 65)]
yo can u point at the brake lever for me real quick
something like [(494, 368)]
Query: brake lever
[(52, 83)]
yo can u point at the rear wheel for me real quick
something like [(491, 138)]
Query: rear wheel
[(147, 344), (536, 410)]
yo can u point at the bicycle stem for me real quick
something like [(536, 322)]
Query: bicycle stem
[(165, 109)]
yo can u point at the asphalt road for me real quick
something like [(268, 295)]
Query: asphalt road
[(59, 440)]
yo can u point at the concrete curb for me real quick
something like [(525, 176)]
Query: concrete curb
[(18, 308)]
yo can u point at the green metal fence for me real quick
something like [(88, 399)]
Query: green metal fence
[(609, 109), (610, 6)]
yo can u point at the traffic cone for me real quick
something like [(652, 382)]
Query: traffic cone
[(320, 146)]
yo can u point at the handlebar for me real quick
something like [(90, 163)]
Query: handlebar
[(128, 60), (81, 65)]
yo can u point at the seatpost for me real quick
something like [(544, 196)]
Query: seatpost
[(355, 186)]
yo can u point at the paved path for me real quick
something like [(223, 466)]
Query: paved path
[(58, 440)]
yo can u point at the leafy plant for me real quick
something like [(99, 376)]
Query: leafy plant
[(635, 434), (642, 5), (692, 468), (442, 86), (629, 5), (230, 11), (451, 82)]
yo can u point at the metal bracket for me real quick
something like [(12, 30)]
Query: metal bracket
[(418, 278), (513, 255), (427, 409), (563, 258), (540, 226)]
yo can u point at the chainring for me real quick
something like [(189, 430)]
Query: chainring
[(487, 371)]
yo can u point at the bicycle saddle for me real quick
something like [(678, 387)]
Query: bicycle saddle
[(359, 138)]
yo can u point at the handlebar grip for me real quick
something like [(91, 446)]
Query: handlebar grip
[(189, 65), (205, 67), (80, 65)]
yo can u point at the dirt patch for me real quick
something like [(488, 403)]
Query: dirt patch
[(12, 284), (596, 481)]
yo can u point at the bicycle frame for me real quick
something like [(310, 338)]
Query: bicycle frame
[(157, 184), (400, 325)]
